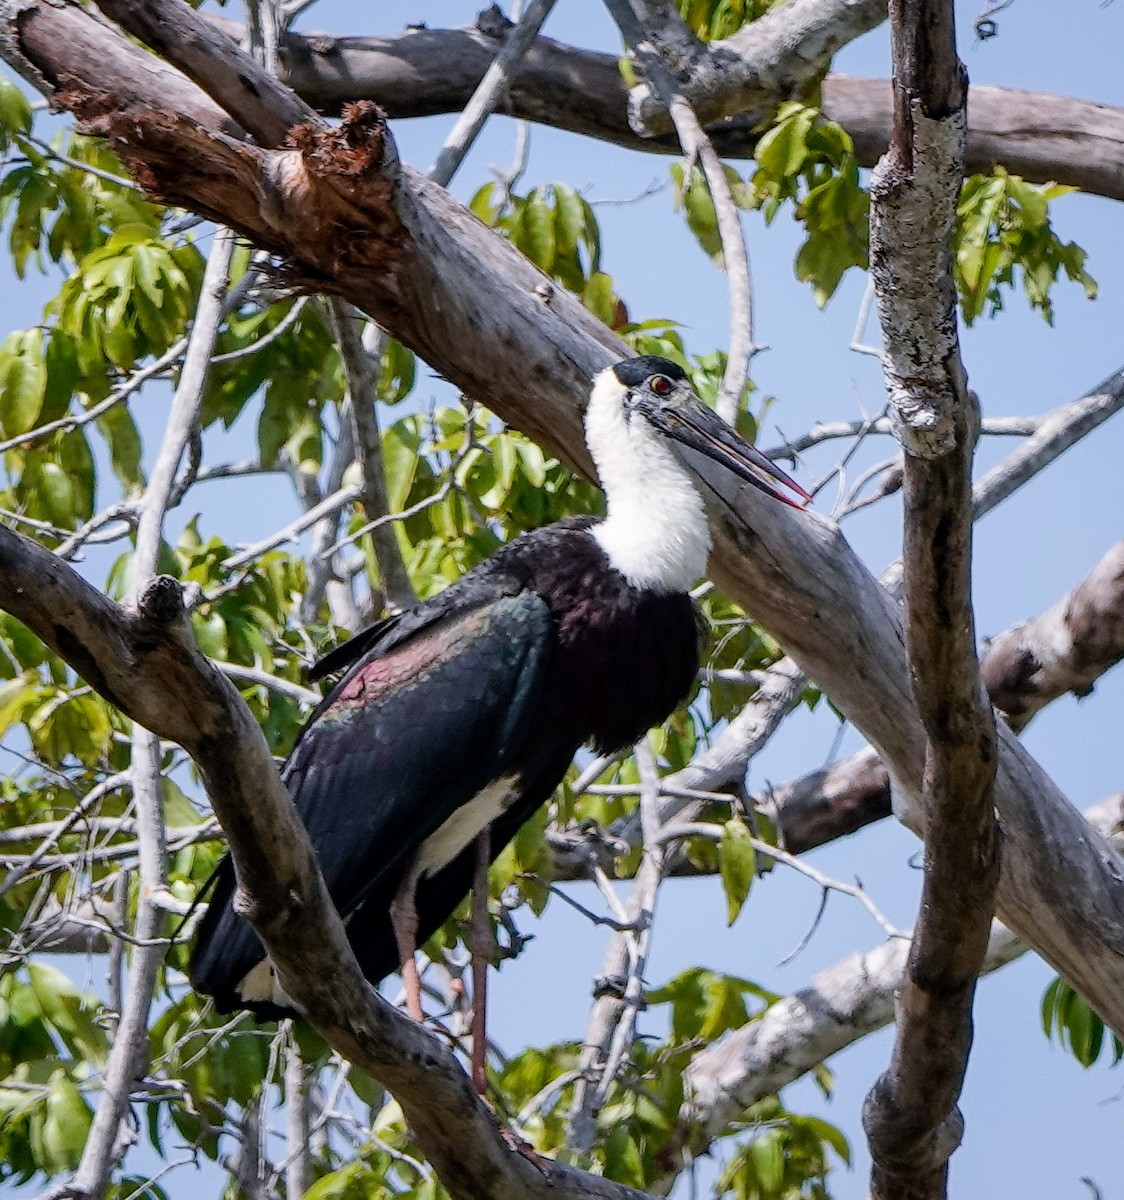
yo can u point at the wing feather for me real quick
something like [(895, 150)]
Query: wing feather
[(411, 733)]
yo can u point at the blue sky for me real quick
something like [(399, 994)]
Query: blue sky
[(1036, 1121)]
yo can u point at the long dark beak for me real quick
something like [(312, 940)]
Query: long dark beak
[(686, 419)]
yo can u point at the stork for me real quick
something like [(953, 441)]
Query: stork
[(461, 715)]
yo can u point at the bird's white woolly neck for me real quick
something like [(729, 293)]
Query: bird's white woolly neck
[(655, 532)]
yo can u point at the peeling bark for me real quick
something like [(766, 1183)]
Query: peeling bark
[(910, 1116)]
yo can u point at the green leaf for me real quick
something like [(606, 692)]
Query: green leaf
[(121, 436), (725, 1006), (23, 381), (15, 112), (767, 1155), (54, 489), (66, 1126), (536, 231), (348, 1183), (830, 1134), (783, 149), (597, 296), (15, 695), (569, 219), (737, 866), (62, 376), (1068, 1017), (75, 1017), (179, 812), (698, 206), (484, 204), (623, 1163)]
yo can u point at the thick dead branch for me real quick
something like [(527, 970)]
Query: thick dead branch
[(782, 53), (910, 1116), (837, 1008), (235, 81), (340, 209), (1065, 649), (147, 663), (830, 803), (420, 72)]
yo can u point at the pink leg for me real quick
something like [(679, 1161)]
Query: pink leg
[(482, 947), (404, 919)]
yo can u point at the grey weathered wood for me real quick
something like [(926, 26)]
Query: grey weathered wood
[(910, 1116), (1040, 136)]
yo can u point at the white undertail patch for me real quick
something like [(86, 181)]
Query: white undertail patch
[(260, 985), (437, 851), (655, 532), (460, 830)]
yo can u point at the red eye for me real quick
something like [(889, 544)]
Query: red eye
[(660, 384)]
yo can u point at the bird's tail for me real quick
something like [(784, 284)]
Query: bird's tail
[(227, 950)]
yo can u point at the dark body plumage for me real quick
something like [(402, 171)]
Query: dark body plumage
[(543, 647)]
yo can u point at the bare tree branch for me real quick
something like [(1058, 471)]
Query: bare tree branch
[(363, 398), (619, 988), (268, 108), (837, 1008), (1042, 137), (128, 1056), (489, 92), (1064, 649), (793, 43), (910, 1116), (697, 147), (1061, 428), (298, 1168)]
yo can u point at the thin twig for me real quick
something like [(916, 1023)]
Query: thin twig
[(77, 420), (129, 1053), (489, 92), (686, 829), (865, 305), (93, 797), (698, 147), (259, 678), (361, 386), (292, 531), (125, 513), (282, 327), (588, 913), (619, 988)]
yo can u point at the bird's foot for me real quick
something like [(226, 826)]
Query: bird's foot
[(525, 1149)]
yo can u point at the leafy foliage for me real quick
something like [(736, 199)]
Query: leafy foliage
[(711, 20), (1004, 234), (1067, 1017), (555, 227)]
